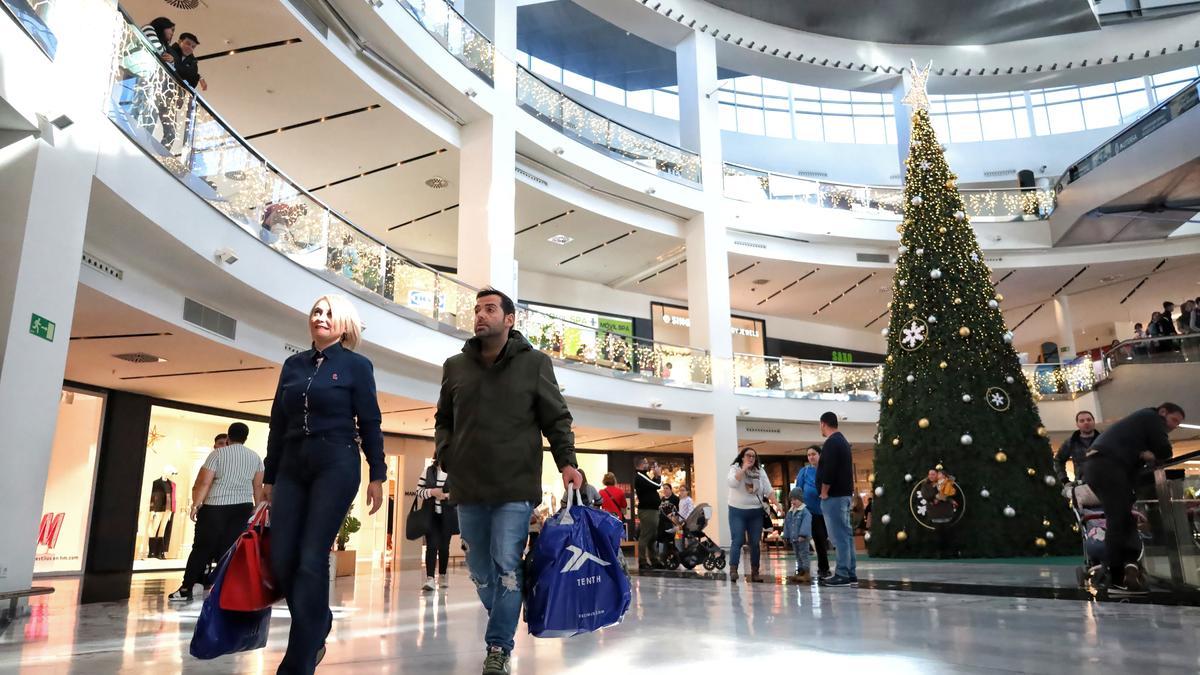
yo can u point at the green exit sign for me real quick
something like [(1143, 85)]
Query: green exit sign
[(42, 327)]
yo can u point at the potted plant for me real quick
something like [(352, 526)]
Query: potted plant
[(346, 559)]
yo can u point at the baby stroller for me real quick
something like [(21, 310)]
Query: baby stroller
[(696, 548), (1094, 527)]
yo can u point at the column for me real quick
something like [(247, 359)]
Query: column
[(1066, 327), (487, 163), (902, 113), (714, 444)]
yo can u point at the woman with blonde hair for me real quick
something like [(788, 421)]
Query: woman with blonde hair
[(324, 402)]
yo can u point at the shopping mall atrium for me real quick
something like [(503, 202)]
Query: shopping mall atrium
[(962, 228)]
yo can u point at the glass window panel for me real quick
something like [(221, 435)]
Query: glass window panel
[(774, 87), (937, 108), (778, 124), (838, 129), (996, 103), (750, 84), (998, 125), (808, 127), (940, 128), (965, 128), (1132, 84), (960, 97), (640, 100), (1097, 90), (749, 100), (836, 108), (610, 93), (772, 103), (868, 109), (1021, 122), (750, 121), (546, 70), (1060, 95), (805, 91), (1165, 92), (961, 106), (666, 104), (889, 126), (1101, 112), (1133, 104), (869, 130), (1037, 97), (1018, 101), (865, 97), (728, 115), (1041, 123), (674, 89), (834, 94), (1065, 117), (807, 106), (726, 96), (577, 81), (1175, 75)]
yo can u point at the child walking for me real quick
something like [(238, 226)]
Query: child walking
[(797, 530)]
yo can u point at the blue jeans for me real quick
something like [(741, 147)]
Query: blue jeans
[(743, 522), (837, 521), (313, 491), (495, 538), (800, 548)]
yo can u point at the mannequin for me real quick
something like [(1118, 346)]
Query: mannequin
[(162, 505)]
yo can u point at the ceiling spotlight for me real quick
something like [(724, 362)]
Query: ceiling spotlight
[(438, 182), (559, 151), (560, 239), (226, 255), (743, 411), (650, 190)]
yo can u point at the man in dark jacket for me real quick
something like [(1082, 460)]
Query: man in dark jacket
[(498, 398), (183, 59), (835, 478), (1075, 448), (646, 486), (1113, 463)]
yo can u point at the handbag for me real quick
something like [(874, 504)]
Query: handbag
[(249, 584), (619, 513), (219, 632)]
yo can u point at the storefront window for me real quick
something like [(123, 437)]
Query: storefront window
[(66, 507), (176, 447)]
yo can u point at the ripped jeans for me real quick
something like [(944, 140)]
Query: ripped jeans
[(495, 538)]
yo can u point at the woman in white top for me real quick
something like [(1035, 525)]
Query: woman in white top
[(748, 486), (442, 526)]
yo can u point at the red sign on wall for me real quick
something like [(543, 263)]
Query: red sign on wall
[(49, 529)]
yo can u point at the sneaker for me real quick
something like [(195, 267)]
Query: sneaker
[(429, 585), (854, 581), (824, 575), (497, 662), (835, 580), (181, 595), (1117, 590), (1134, 581), (444, 581)]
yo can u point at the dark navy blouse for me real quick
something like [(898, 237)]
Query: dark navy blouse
[(330, 394)]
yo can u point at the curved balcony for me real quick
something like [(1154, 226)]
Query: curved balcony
[(880, 202), (180, 131), (456, 34)]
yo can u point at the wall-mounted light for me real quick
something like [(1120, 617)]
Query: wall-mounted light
[(650, 190), (471, 93), (559, 151), (656, 403), (226, 255)]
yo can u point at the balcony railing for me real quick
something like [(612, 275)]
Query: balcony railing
[(179, 130), (995, 205), (456, 34), (37, 18), (574, 119), (1171, 349)]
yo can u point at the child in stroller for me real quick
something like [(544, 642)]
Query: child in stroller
[(1088, 511), (694, 546)]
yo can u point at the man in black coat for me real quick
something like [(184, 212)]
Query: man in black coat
[(1075, 448), (183, 60), (1113, 464)]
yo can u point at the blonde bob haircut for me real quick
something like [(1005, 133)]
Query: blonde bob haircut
[(344, 318)]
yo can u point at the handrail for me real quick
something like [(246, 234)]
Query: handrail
[(1161, 349), (484, 65), (1105, 151)]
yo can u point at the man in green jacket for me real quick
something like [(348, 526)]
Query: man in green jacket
[(498, 398)]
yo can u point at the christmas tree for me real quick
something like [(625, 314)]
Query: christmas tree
[(963, 467)]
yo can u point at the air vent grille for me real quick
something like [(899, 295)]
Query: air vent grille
[(872, 257), (654, 424), (812, 174), (103, 267), (537, 179), (763, 430), (996, 173), (139, 357), (209, 319), (751, 244)]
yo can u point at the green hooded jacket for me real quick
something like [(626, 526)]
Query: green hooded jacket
[(490, 421)]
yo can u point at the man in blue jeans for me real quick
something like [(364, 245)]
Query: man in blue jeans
[(835, 475), (498, 398)]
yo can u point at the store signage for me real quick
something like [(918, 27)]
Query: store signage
[(842, 357), (49, 529), (42, 327), (424, 300), (686, 322)]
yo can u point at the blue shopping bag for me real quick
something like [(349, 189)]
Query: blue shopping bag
[(221, 631), (578, 580)]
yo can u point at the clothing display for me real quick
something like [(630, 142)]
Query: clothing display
[(162, 508)]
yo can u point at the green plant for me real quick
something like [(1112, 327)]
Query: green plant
[(349, 526)]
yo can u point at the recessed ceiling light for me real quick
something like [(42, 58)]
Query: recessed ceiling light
[(1110, 278), (760, 282), (560, 239), (437, 182)]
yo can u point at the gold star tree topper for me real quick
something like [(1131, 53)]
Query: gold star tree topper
[(917, 96)]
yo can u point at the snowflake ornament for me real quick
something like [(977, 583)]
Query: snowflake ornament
[(914, 335), (974, 257), (997, 399), (925, 164)]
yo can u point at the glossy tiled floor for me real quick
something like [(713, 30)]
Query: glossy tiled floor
[(675, 626)]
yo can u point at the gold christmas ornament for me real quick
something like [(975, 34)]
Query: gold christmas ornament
[(950, 184), (1041, 431), (911, 305), (900, 228), (958, 301), (1075, 527), (942, 229), (895, 441), (999, 297), (1045, 522), (964, 331), (939, 467), (943, 365), (1039, 542), (901, 536), (1001, 457), (1031, 471), (871, 477), (923, 423), (889, 358), (889, 401)]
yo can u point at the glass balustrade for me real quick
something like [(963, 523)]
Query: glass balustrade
[(37, 18), (177, 128), (1059, 381), (1171, 529), (570, 117), (455, 33), (998, 205), (1174, 349)]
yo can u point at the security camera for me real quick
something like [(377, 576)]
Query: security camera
[(743, 411), (471, 93), (226, 255), (656, 403), (650, 190), (559, 150)]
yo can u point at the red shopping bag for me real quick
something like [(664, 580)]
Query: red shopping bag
[(249, 585)]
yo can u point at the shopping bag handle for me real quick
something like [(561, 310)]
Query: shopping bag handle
[(261, 515), (573, 498)]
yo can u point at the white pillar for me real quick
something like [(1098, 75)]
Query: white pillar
[(902, 116), (487, 164), (714, 444), (1066, 327)]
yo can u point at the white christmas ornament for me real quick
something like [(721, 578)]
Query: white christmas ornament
[(884, 332), (920, 251), (966, 439), (916, 200), (959, 215), (908, 478), (966, 398), (1008, 338), (1010, 511), (1009, 379), (984, 493), (932, 319), (910, 378), (1049, 534), (935, 273), (992, 304), (866, 536), (1050, 480), (879, 491), (974, 257), (914, 335), (885, 519), (903, 248), (903, 282), (924, 163)]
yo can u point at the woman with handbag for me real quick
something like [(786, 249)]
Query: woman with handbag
[(442, 523), (748, 486), (612, 498), (324, 402)]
